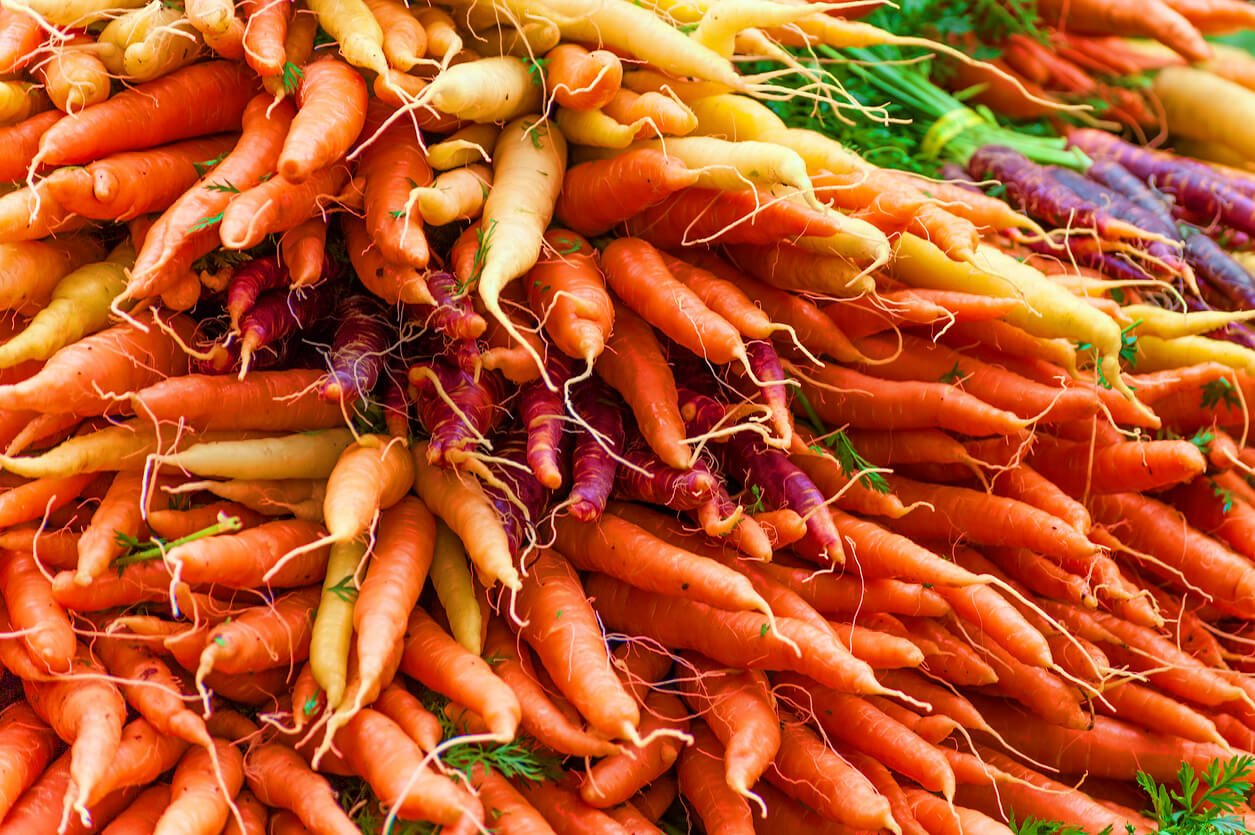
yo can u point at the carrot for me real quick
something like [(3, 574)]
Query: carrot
[(614, 779), (193, 101), (541, 718), (278, 205), (634, 366), (404, 39), (580, 79), (41, 808), (332, 112), (1118, 468), (528, 166), (74, 78), (1111, 748), (633, 554), (510, 811), (377, 749), (22, 140), (251, 557), (567, 292), (672, 621), (1157, 712), (32, 269), (332, 634), (49, 636), (393, 165), (552, 587), (280, 778), (88, 714), (1152, 527), (261, 637), (808, 770), (27, 746), (307, 455), (20, 37), (717, 805), (156, 693), (142, 814), (946, 819), (184, 233), (275, 401), (457, 194), (462, 505), (264, 35), (196, 790), (641, 178), (566, 812)]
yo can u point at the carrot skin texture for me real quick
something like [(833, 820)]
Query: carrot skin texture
[(27, 745), (193, 101)]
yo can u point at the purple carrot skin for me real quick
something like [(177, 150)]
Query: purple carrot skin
[(594, 468), (519, 522), (278, 314), (453, 314), (649, 480), (784, 485), (251, 280), (477, 400), (358, 349), (1031, 187), (765, 363), (1107, 263), (395, 397), (1195, 185), (1219, 271), (543, 416), (1119, 179)]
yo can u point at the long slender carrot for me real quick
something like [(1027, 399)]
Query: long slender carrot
[(196, 100), (280, 778), (33, 609), (28, 747)]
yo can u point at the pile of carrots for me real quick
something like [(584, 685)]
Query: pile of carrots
[(498, 419)]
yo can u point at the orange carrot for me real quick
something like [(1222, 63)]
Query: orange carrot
[(49, 636), (565, 811), (567, 292), (432, 657), (378, 750), (142, 814), (600, 194), (197, 802), (21, 142), (193, 101), (614, 779), (391, 282), (119, 512), (582, 80), (702, 784), (278, 205), (280, 778), (275, 401), (264, 35), (252, 557), (542, 719), (261, 637), (370, 476), (635, 367), (302, 250), (562, 628), (332, 102), (184, 232), (510, 812), (151, 688), (402, 707), (392, 165), (809, 771), (27, 745)]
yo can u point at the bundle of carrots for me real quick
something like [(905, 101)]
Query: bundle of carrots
[(758, 487)]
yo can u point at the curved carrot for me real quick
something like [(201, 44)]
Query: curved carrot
[(33, 609), (156, 693), (193, 101), (27, 745), (614, 779), (584, 676), (580, 79), (302, 250), (278, 205), (196, 789), (280, 778), (392, 165), (567, 292), (265, 32), (332, 112)]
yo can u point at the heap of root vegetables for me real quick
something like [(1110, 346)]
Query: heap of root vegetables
[(759, 488)]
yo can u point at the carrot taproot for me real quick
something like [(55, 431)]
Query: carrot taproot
[(265, 33), (565, 811), (308, 455), (22, 140), (614, 779), (33, 609), (261, 637), (392, 166), (581, 79), (558, 616), (119, 512), (42, 807), (945, 819), (197, 799), (567, 292), (275, 401), (402, 707), (541, 718), (371, 475), (27, 746), (719, 807), (432, 657), (404, 39), (457, 194), (463, 506), (262, 554), (302, 250), (142, 814), (376, 748), (1155, 711), (331, 636), (278, 205), (332, 112), (20, 37), (280, 778), (152, 689), (193, 101)]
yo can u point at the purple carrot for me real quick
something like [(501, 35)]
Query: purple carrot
[(358, 350), (478, 401), (452, 313), (523, 489), (701, 412), (395, 399), (1219, 271), (765, 363), (249, 281), (1119, 179), (1117, 205), (278, 314), (1038, 193), (782, 484), (1195, 185), (544, 417), (646, 478), (1108, 263), (594, 468), (1234, 332)]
